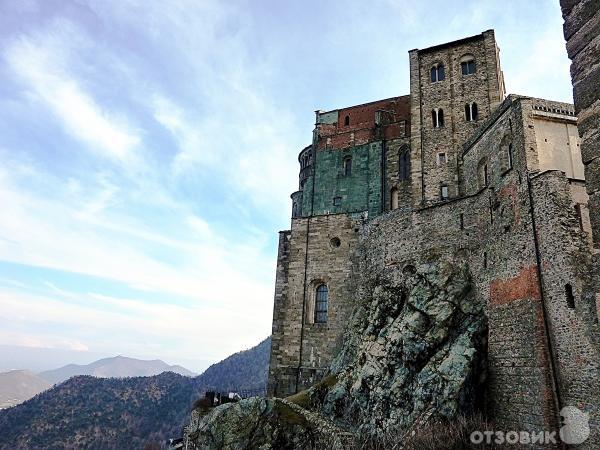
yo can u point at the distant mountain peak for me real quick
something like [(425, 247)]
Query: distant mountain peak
[(149, 409), (114, 367)]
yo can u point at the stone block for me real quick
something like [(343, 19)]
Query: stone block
[(585, 60), (567, 6), (589, 120), (592, 176), (583, 36), (579, 15), (594, 206), (590, 144), (587, 91)]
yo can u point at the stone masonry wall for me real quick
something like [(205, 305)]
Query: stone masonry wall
[(573, 328), (295, 292), (582, 32), (484, 87), (520, 391)]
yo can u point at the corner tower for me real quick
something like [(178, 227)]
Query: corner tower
[(453, 87)]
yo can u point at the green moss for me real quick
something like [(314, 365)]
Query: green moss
[(288, 416)]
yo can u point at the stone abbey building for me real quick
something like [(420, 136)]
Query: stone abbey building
[(459, 170)]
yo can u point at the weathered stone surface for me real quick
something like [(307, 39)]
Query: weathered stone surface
[(414, 350), (580, 39), (586, 90), (517, 215), (265, 424), (578, 15)]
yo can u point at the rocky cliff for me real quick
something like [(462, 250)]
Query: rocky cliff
[(413, 353)]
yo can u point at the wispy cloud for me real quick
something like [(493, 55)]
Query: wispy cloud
[(39, 62)]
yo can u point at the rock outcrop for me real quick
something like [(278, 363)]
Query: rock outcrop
[(414, 352), (267, 424)]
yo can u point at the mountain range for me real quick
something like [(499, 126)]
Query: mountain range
[(16, 386), (115, 413), (117, 367)]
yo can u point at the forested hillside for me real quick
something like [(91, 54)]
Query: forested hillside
[(105, 413)]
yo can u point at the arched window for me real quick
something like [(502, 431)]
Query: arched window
[(347, 166), (467, 64), (394, 200), (321, 298), (404, 164), (471, 112), (347, 121), (437, 73), (437, 117)]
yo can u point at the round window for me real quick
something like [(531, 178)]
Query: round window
[(335, 242)]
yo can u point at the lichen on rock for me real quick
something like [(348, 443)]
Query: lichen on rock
[(415, 350), (266, 424)]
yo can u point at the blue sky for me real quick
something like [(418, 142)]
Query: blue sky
[(148, 150)]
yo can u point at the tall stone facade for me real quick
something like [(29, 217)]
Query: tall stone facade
[(453, 87), (389, 185)]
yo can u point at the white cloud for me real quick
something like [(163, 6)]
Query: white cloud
[(41, 64), (219, 278)]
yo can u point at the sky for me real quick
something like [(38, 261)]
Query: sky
[(148, 150)]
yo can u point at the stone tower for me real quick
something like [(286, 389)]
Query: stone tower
[(453, 88)]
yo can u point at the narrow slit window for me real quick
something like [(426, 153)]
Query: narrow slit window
[(579, 216), (347, 166), (404, 164), (510, 156), (394, 198), (569, 296), (444, 192), (485, 175)]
